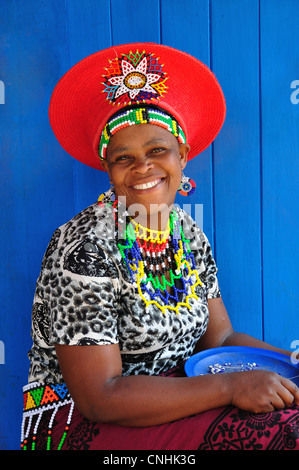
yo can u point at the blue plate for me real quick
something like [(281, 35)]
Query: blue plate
[(237, 358)]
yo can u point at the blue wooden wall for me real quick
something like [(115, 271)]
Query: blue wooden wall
[(247, 180)]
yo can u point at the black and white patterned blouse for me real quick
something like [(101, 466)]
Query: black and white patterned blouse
[(85, 296)]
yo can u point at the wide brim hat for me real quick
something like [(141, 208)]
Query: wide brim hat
[(105, 82)]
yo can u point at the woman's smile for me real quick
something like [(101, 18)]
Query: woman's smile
[(149, 185)]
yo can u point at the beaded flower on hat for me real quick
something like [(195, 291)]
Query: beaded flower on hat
[(134, 77)]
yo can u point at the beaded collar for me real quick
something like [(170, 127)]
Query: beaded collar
[(161, 264)]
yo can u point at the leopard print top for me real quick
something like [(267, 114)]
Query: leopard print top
[(84, 296)]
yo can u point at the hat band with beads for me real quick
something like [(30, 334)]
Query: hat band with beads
[(139, 115)]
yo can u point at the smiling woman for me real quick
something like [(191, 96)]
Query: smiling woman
[(128, 288)]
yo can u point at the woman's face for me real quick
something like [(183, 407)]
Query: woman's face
[(145, 164)]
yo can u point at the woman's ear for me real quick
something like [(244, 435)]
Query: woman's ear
[(104, 165), (184, 150)]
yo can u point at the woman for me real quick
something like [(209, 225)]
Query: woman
[(128, 289)]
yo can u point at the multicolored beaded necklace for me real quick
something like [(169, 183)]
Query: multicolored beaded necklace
[(160, 263)]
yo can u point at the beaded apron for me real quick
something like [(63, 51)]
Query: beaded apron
[(39, 398)]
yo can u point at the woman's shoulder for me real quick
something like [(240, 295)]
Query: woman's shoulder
[(93, 228), (82, 247), (96, 219)]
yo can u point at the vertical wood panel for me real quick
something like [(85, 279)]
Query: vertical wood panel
[(235, 60), (89, 30), (280, 123), (32, 182), (135, 21), (189, 32)]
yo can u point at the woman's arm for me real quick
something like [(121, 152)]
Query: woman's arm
[(93, 375), (220, 332)]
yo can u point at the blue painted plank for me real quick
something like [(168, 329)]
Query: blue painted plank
[(280, 150), (187, 28), (88, 27), (192, 36), (235, 60), (32, 51), (88, 32), (135, 21)]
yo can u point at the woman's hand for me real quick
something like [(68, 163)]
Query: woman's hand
[(261, 391)]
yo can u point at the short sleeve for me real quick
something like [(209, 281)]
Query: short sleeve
[(79, 285), (210, 272)]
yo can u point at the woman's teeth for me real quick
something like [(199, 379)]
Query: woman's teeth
[(151, 184)]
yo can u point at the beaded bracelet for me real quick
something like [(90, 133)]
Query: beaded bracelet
[(39, 398)]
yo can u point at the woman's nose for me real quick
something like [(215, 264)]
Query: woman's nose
[(142, 165)]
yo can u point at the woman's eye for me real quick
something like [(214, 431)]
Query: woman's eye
[(158, 150), (122, 158)]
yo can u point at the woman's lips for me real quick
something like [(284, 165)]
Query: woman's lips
[(148, 185)]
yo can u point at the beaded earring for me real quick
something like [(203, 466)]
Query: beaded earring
[(187, 186), (108, 196)]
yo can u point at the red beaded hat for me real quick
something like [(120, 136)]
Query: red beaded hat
[(168, 87)]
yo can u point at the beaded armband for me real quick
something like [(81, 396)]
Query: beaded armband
[(39, 398)]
